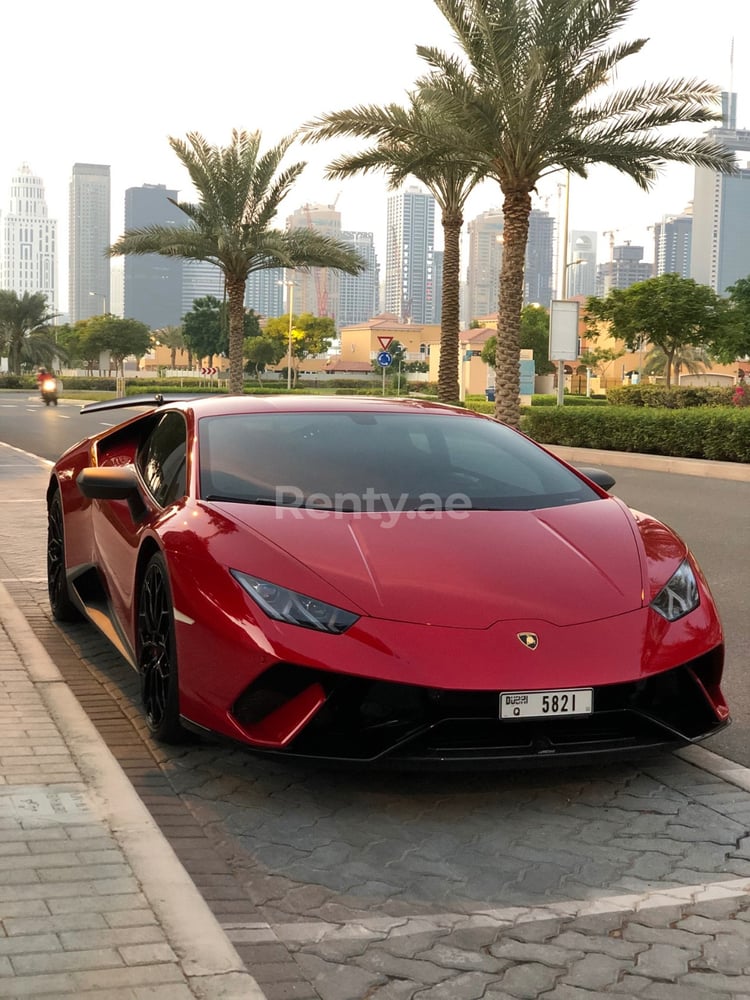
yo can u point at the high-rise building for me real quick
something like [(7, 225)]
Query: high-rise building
[(29, 240), (409, 261), (264, 292), (200, 278), (359, 295), (540, 253), (485, 260), (624, 269), (153, 282), (673, 238), (88, 239), (316, 291), (720, 251), (581, 277)]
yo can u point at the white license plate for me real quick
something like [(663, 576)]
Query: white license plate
[(543, 704)]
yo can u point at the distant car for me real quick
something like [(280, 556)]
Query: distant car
[(380, 581)]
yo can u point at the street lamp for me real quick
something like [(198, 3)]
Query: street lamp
[(290, 304)]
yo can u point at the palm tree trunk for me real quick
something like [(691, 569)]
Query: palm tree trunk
[(448, 384), (516, 211), (236, 294)]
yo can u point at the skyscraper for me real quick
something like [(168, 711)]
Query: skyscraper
[(29, 240), (485, 260), (673, 238), (581, 278), (316, 291), (359, 295), (409, 261), (153, 283), (88, 240), (624, 269), (720, 251), (538, 273), (264, 292)]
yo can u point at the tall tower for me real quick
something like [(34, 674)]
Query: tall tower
[(29, 240), (316, 292), (359, 295), (409, 261), (88, 239), (485, 261), (153, 283), (581, 278), (624, 269), (539, 270), (673, 238), (720, 252), (265, 292)]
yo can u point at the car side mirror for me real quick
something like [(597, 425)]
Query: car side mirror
[(113, 483), (598, 476)]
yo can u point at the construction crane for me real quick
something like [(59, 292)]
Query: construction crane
[(611, 270)]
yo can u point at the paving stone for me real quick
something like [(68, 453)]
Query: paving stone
[(665, 962), (596, 971)]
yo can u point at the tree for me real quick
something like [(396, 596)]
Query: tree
[(239, 191), (172, 338), (263, 351), (204, 328), (121, 338), (692, 359), (669, 312), (533, 336), (311, 335), (25, 330), (736, 344), (524, 86), (425, 140)]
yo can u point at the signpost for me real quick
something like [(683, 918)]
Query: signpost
[(384, 359)]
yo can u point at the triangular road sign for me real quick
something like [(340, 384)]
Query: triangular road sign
[(385, 342)]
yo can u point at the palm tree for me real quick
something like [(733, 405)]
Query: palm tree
[(418, 140), (523, 86), (24, 330), (692, 359), (239, 192), (172, 338)]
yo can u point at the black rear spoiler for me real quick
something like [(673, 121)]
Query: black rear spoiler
[(146, 399)]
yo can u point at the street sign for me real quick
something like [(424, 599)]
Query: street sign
[(384, 358), (385, 343), (209, 371)]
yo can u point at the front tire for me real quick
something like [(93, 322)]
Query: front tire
[(63, 609), (157, 658)]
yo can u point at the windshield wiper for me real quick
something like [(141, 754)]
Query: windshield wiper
[(224, 498)]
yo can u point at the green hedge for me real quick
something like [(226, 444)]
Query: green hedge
[(547, 399), (716, 433), (674, 398)]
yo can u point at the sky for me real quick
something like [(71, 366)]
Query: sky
[(82, 81)]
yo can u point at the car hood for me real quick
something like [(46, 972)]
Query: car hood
[(469, 569)]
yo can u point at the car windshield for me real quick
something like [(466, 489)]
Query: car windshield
[(370, 461)]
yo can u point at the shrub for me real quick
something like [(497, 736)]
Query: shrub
[(714, 433), (674, 398)]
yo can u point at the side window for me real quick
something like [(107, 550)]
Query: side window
[(162, 459)]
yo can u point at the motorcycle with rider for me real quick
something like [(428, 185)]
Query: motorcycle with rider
[(47, 386)]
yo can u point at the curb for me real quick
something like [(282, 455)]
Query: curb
[(208, 959), (737, 471)]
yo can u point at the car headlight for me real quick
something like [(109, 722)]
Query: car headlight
[(295, 609), (679, 596)]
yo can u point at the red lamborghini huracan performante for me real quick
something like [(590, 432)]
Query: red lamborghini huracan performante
[(379, 581)]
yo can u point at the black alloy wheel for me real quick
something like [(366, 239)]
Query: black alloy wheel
[(63, 609), (157, 660)]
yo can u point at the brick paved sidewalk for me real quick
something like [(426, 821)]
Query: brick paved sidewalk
[(93, 901)]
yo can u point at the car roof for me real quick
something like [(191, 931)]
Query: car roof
[(220, 404)]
